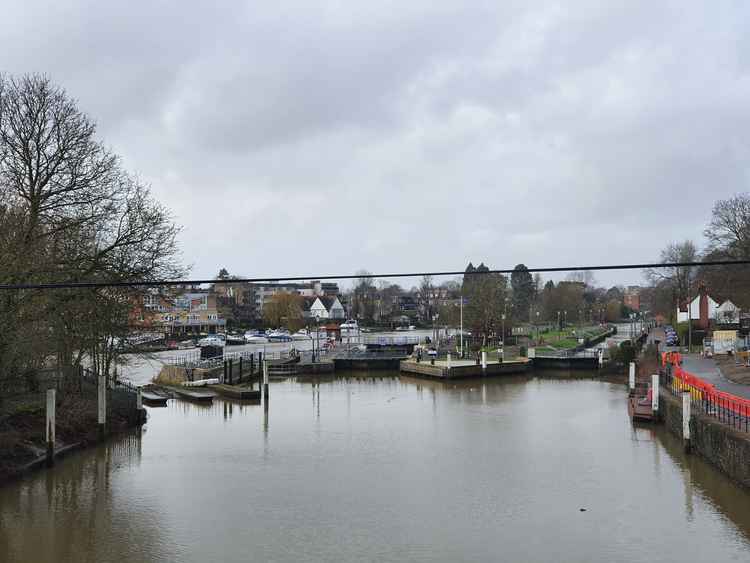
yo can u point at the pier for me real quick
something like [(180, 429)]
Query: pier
[(460, 369)]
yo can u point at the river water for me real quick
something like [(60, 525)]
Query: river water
[(384, 469)]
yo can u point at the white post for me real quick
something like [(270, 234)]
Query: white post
[(631, 376), (686, 419), (50, 425), (449, 361), (484, 360), (655, 392), (531, 353), (601, 358), (102, 402)]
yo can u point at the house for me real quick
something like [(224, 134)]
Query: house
[(324, 308), (727, 313), (182, 312), (702, 308)]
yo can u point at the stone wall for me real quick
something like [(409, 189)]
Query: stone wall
[(726, 448)]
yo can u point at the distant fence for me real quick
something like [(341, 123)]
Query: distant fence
[(725, 407)]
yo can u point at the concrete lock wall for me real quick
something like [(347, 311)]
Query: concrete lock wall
[(724, 447)]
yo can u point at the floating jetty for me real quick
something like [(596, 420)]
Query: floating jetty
[(459, 369), (194, 396), (153, 399), (236, 392)]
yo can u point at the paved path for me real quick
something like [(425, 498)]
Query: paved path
[(706, 369)]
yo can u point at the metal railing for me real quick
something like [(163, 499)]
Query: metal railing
[(725, 407)]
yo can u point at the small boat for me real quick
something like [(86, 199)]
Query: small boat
[(639, 406), (405, 328), (235, 340), (153, 399), (255, 339), (279, 336), (349, 327), (301, 334), (185, 345), (211, 340)]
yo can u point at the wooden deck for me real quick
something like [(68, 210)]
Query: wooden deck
[(463, 368), (236, 392), (190, 395), (154, 399)]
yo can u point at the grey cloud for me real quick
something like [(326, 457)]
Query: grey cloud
[(327, 137)]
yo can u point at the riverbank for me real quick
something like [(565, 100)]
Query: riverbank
[(22, 433)]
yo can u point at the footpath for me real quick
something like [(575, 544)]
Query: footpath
[(706, 369)]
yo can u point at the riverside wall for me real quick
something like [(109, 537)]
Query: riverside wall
[(724, 447)]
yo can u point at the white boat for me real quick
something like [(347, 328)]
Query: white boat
[(211, 340), (349, 326), (235, 339), (279, 336), (405, 328), (253, 338), (301, 334)]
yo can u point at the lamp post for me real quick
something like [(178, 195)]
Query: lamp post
[(461, 306), (316, 343)]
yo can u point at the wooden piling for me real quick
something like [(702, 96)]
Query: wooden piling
[(265, 384), (50, 426), (655, 394)]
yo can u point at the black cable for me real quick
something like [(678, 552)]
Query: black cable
[(164, 283)]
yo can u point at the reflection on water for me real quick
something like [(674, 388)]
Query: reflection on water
[(384, 468)]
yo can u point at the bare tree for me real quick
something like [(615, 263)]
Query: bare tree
[(678, 280), (73, 215), (728, 231)]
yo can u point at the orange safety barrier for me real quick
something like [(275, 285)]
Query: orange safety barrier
[(701, 390)]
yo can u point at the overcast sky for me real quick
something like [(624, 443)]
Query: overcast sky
[(295, 138)]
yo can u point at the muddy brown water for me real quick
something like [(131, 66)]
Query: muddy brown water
[(384, 469)]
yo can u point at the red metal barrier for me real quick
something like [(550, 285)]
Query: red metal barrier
[(703, 390)]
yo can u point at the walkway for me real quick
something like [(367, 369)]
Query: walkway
[(706, 369)]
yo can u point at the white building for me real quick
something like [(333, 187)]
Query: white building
[(695, 310), (727, 312), (325, 308)]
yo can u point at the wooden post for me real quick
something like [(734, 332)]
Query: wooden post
[(102, 404), (139, 399), (231, 362), (686, 420), (240, 376), (631, 376), (50, 426), (601, 358), (265, 385), (484, 361), (655, 393)]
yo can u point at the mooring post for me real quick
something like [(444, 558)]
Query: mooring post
[(231, 365), (686, 420), (240, 376), (224, 379), (448, 362), (631, 376), (484, 361), (265, 384), (50, 419), (601, 358), (102, 405), (655, 394)]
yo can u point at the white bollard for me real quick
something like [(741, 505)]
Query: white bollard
[(102, 402), (448, 362), (686, 419), (631, 376), (655, 393), (601, 358), (50, 426), (531, 353), (484, 360)]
